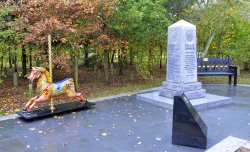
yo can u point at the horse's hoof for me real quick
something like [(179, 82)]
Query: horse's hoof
[(86, 101), (24, 110), (29, 109)]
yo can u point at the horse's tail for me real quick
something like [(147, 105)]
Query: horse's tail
[(70, 84)]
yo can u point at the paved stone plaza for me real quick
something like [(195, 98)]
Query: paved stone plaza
[(125, 125)]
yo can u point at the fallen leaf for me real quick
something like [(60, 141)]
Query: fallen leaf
[(104, 134), (16, 110), (158, 138), (64, 144), (139, 143), (32, 128)]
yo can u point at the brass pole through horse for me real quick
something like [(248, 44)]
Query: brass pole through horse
[(52, 108)]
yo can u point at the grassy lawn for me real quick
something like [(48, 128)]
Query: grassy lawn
[(128, 88), (243, 78), (1, 113)]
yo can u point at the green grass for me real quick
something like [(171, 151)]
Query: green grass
[(2, 113), (128, 88), (243, 78)]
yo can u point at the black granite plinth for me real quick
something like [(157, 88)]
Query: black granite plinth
[(60, 108), (188, 127)]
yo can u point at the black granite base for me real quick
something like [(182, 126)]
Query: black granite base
[(188, 127), (59, 109)]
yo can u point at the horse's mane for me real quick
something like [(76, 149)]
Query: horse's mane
[(47, 74)]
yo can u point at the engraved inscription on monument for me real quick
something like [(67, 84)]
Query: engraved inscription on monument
[(174, 60), (190, 63)]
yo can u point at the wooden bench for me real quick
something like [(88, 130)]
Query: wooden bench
[(217, 67)]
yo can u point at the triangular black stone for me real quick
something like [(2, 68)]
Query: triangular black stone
[(188, 127)]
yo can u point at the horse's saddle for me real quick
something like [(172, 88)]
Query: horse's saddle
[(59, 83)]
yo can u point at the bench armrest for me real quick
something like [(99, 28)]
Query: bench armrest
[(234, 69)]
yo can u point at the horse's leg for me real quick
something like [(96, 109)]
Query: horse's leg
[(78, 96), (30, 102), (38, 100)]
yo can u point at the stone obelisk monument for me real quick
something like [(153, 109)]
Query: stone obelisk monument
[(182, 62)]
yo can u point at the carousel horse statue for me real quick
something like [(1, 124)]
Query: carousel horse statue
[(47, 89)]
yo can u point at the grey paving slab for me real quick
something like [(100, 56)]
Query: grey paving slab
[(125, 125), (229, 144), (205, 103)]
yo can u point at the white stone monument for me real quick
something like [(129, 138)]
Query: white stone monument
[(182, 73), (182, 62)]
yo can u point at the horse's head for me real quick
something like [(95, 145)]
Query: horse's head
[(35, 73)]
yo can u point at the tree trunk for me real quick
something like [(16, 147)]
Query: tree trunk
[(15, 74), (120, 64), (105, 64), (208, 45), (76, 72), (15, 62), (99, 72), (131, 57), (86, 57), (112, 57), (1, 63), (150, 67), (10, 59), (109, 59), (161, 56), (30, 60), (112, 72), (24, 61)]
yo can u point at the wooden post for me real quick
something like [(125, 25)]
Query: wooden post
[(95, 70), (30, 90), (132, 74), (99, 72), (112, 72), (15, 78)]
